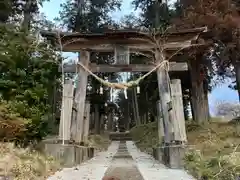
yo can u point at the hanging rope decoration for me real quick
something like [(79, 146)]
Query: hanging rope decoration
[(163, 64), (128, 84)]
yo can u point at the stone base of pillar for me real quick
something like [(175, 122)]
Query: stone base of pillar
[(171, 156), (176, 156), (158, 154), (68, 154)]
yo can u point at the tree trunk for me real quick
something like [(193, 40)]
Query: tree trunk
[(144, 121), (5, 11), (135, 105), (198, 98), (134, 109), (127, 117), (80, 7), (92, 123), (205, 89), (96, 119), (187, 3), (145, 116), (110, 121), (102, 123), (185, 105), (237, 71), (27, 16)]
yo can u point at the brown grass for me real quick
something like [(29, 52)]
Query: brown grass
[(23, 164), (215, 154), (215, 137), (99, 142)]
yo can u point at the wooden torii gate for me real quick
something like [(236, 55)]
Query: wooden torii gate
[(172, 124)]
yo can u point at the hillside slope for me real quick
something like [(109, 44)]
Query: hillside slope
[(215, 153)]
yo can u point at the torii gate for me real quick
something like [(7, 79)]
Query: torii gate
[(172, 123)]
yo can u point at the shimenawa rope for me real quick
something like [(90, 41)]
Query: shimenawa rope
[(128, 84)]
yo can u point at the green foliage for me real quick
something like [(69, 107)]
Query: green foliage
[(12, 126), (29, 73), (88, 17)]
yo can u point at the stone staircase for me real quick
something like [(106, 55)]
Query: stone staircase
[(120, 136), (123, 166), (122, 151)]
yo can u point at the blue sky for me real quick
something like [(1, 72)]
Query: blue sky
[(220, 93)]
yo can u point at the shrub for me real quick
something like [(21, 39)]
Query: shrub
[(12, 126)]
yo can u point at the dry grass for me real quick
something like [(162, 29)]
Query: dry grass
[(99, 142), (216, 152), (213, 138), (145, 136), (23, 164)]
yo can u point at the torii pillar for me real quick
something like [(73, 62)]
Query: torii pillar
[(80, 96), (173, 121)]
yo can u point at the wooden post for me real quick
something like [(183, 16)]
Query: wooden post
[(160, 121), (177, 148), (165, 98), (166, 108), (86, 121), (66, 112), (80, 96), (178, 114), (74, 120)]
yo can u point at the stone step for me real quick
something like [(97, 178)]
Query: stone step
[(118, 136), (123, 156)]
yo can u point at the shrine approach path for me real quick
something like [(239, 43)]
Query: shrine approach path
[(123, 161)]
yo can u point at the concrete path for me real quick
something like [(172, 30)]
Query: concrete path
[(123, 166), (124, 161), (152, 169), (92, 169)]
